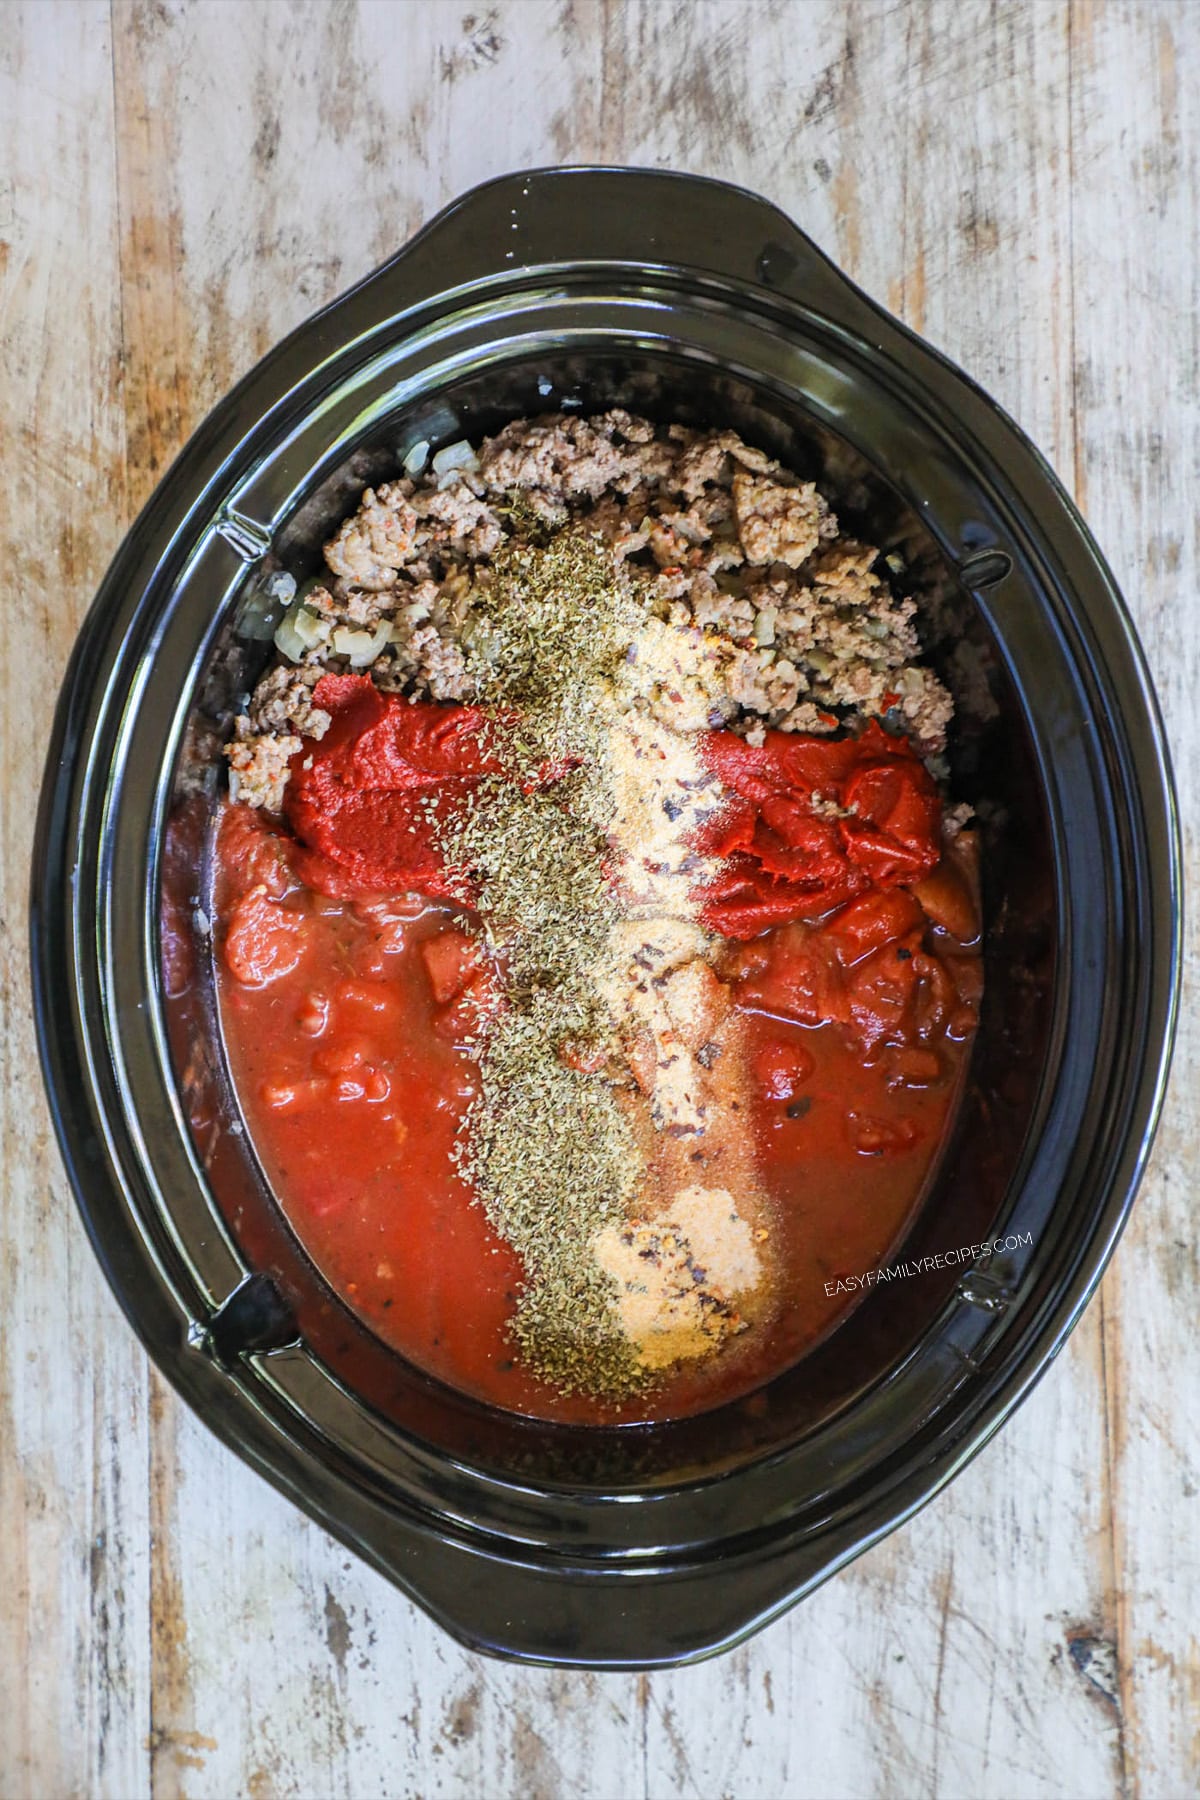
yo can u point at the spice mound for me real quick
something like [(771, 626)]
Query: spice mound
[(608, 729)]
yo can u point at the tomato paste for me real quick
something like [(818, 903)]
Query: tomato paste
[(809, 823), (366, 800)]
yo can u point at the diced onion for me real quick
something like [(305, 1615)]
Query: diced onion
[(764, 625), (349, 641), (449, 461), (259, 612), (381, 637), (288, 641), (299, 630), (417, 457), (310, 629), (361, 647), (280, 585)]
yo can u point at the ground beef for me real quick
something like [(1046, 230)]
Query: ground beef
[(715, 534), (706, 456), (777, 523), (258, 768), (283, 702), (469, 526), (402, 524), (439, 666), (369, 547), (565, 457)]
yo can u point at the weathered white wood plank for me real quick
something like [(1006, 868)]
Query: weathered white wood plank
[(308, 1673), (962, 162), (74, 1686), (1135, 149)]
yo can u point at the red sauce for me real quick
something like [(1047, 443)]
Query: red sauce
[(343, 1014)]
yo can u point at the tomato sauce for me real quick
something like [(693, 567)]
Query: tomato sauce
[(344, 1017)]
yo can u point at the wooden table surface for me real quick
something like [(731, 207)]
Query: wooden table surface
[(179, 185)]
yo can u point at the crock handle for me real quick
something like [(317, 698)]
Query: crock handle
[(645, 218)]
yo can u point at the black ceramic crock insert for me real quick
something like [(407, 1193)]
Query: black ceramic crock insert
[(649, 1545)]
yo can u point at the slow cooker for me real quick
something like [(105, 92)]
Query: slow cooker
[(686, 299)]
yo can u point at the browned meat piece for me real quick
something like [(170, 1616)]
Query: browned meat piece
[(463, 522), (283, 702), (777, 523), (562, 456), (377, 540), (258, 769)]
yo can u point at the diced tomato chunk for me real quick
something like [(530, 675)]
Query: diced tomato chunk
[(465, 1014), (947, 900), (377, 998), (883, 989), (873, 920), (802, 980), (876, 1137), (264, 940), (452, 958), (342, 1055), (783, 1069), (913, 1066), (257, 851), (312, 1015)]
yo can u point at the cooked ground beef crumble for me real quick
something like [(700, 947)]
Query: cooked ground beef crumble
[(714, 534)]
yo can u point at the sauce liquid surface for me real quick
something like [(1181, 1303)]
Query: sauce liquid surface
[(353, 1091)]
